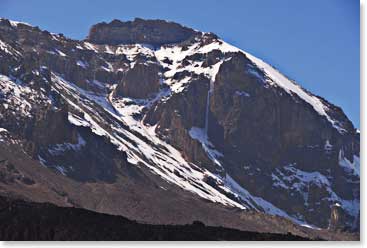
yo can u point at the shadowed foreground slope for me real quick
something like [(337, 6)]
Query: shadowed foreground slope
[(20, 220)]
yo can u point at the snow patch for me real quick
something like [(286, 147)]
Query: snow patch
[(16, 23), (200, 135), (61, 148), (15, 96), (77, 121), (82, 64), (90, 46), (352, 167), (259, 203), (60, 53), (242, 93), (294, 179), (61, 169), (328, 147), (3, 130), (42, 161), (8, 49)]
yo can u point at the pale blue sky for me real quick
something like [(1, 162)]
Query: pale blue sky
[(315, 42)]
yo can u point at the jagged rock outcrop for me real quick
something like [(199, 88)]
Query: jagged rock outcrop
[(175, 117), (337, 218), (153, 32), (276, 124), (141, 81)]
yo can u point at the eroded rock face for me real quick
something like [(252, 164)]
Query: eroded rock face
[(153, 32), (141, 81), (264, 123), (175, 118), (262, 130)]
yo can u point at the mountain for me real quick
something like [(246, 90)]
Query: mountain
[(164, 124)]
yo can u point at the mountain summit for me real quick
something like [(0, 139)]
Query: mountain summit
[(163, 124), (153, 32)]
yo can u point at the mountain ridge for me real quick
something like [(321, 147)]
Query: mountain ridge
[(154, 32)]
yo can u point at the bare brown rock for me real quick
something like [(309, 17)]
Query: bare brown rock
[(141, 81)]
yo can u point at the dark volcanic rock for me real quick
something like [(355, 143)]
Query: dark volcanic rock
[(153, 32), (21, 221)]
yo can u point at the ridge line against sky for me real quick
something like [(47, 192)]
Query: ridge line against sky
[(314, 42)]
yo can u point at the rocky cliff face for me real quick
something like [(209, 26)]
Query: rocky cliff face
[(153, 32), (154, 103), (276, 133), (141, 81)]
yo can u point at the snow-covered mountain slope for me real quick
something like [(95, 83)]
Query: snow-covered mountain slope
[(195, 111)]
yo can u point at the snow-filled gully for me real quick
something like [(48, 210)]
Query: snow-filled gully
[(161, 161)]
